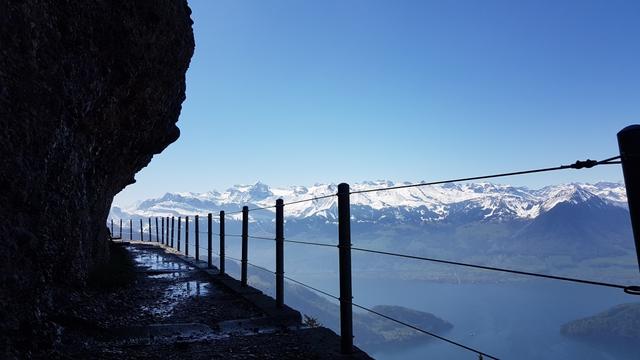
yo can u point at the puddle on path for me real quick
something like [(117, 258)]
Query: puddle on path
[(172, 283), (190, 288), (176, 294), (160, 266), (154, 260), (168, 275), (181, 284)]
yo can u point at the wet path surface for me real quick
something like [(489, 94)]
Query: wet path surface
[(174, 311), (183, 293)]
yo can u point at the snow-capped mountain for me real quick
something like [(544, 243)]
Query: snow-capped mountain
[(447, 202), (484, 221)]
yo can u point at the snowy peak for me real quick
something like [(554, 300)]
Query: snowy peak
[(613, 193), (570, 193), (247, 193), (446, 202)]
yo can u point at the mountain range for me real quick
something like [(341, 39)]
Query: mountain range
[(435, 203), (573, 229)]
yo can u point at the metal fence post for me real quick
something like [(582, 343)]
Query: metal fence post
[(197, 233), (344, 248), (150, 237), (157, 231), (186, 236), (173, 227), (112, 228), (166, 237), (629, 144), (279, 253), (120, 229), (245, 245), (130, 229), (162, 232), (209, 223), (179, 229), (141, 229), (221, 242)]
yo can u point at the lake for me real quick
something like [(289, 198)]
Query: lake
[(515, 320), (510, 320)]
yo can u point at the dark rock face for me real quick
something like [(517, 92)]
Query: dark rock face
[(89, 91)]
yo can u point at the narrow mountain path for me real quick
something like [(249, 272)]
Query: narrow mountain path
[(175, 310)]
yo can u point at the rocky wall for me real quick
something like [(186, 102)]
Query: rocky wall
[(90, 90)]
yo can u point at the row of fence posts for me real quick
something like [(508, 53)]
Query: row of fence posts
[(629, 144), (166, 237)]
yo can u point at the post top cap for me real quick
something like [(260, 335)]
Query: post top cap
[(343, 187), (630, 128)]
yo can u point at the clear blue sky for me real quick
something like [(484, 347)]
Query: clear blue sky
[(304, 91)]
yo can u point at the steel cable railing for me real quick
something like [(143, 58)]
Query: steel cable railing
[(577, 165), (342, 246), (309, 243), (626, 288)]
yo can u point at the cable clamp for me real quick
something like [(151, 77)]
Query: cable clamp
[(584, 164)]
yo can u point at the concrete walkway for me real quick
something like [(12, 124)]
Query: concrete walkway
[(181, 309)]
